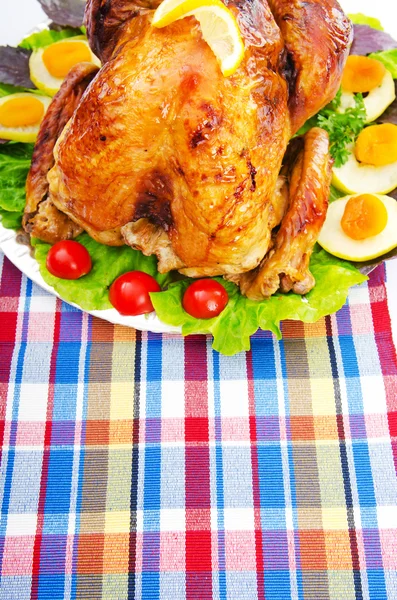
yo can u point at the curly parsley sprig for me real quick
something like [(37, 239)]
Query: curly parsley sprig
[(342, 127)]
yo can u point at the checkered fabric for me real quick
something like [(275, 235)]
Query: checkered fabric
[(143, 466)]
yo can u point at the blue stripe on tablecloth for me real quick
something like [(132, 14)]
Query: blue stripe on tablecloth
[(265, 383), (16, 585), (134, 470), (380, 453), (152, 477), (358, 588), (275, 543), (17, 376), (271, 483), (70, 326), (80, 478), (220, 499), (270, 469), (60, 465), (284, 423), (58, 488), (153, 373), (362, 465), (67, 364), (291, 468)]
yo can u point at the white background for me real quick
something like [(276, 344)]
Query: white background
[(17, 18)]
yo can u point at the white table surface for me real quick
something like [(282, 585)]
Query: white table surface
[(20, 16)]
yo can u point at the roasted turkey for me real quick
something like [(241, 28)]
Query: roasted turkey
[(165, 154)]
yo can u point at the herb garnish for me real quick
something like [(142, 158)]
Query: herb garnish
[(342, 127)]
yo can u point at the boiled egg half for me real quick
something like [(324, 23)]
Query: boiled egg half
[(372, 163), (21, 116), (49, 66), (360, 227), (367, 76)]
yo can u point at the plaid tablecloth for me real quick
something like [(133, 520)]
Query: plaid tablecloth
[(143, 466)]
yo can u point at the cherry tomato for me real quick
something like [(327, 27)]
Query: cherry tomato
[(68, 260), (205, 298), (129, 293)]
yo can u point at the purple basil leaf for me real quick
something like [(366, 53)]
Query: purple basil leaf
[(3, 141), (368, 40), (390, 115), (64, 12), (393, 194), (14, 66)]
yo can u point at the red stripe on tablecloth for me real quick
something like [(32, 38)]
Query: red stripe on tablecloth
[(46, 457), (10, 282), (393, 423), (385, 345), (10, 286), (260, 584), (197, 472), (8, 329)]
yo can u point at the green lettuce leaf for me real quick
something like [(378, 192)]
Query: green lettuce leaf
[(108, 262), (7, 89), (389, 59), (335, 194), (243, 317), (48, 36), (11, 220), (360, 19), (15, 162)]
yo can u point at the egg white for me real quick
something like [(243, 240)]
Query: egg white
[(22, 134), (41, 76), (377, 101), (335, 241)]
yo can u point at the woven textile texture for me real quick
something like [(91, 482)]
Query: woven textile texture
[(141, 466)]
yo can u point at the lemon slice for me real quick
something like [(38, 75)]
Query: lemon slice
[(358, 178), (42, 77), (21, 116), (218, 26)]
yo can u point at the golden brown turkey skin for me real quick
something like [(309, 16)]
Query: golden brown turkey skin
[(167, 155), (287, 264), (162, 135), (317, 37), (41, 218)]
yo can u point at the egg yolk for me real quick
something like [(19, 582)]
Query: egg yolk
[(364, 217), (21, 112), (362, 74), (377, 145), (59, 58)]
